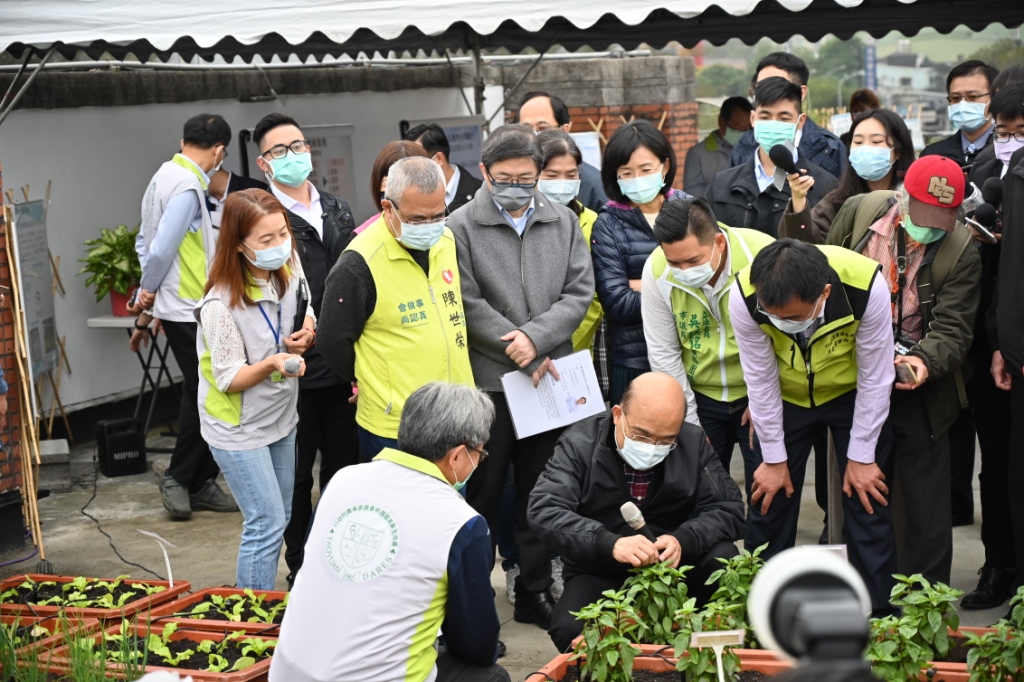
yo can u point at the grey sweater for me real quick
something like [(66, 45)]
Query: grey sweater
[(541, 283)]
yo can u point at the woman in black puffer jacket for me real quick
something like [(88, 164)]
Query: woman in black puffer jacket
[(637, 169)]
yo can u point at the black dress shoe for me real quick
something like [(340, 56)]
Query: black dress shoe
[(994, 587), (534, 608), (501, 649)]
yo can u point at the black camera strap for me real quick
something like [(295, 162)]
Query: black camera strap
[(901, 278)]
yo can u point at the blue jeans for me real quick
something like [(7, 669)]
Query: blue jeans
[(370, 444), (721, 423), (261, 481)]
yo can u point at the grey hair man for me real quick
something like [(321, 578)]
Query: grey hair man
[(388, 539), (392, 318), (527, 281)]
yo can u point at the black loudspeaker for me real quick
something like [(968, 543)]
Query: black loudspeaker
[(121, 446)]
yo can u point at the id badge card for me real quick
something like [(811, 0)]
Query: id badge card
[(277, 377)]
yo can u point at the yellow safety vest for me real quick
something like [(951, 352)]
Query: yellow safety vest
[(583, 337), (710, 354), (417, 330), (827, 369)]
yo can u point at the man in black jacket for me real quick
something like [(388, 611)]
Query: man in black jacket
[(821, 147), (460, 184), (968, 91), (639, 451), (755, 194), (322, 225)]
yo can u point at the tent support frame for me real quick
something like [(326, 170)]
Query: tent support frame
[(21, 91)]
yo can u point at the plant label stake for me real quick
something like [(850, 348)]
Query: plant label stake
[(718, 641), (163, 548), (837, 549)]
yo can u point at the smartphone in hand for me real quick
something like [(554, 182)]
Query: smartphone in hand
[(905, 373)]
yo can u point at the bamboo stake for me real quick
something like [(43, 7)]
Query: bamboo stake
[(664, 116)]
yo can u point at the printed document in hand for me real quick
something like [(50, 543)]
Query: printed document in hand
[(554, 404)]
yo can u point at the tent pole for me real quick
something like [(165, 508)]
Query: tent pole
[(457, 79), (511, 93), (39, 67), (478, 74), (17, 75)]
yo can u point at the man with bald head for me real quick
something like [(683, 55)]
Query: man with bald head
[(640, 451)]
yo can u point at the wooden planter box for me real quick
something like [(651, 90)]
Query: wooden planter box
[(167, 613), (129, 609), (660, 659), (84, 626), (257, 673)]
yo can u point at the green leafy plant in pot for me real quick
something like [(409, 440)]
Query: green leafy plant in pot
[(113, 266)]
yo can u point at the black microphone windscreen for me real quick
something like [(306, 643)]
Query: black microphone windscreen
[(986, 215), (783, 158), (992, 191)]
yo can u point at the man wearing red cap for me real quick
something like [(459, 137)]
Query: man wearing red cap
[(933, 273)]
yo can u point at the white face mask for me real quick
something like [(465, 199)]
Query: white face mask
[(639, 455), (698, 275), (792, 326)]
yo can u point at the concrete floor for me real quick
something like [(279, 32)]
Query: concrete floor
[(206, 546)]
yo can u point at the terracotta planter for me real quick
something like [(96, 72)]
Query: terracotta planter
[(84, 626), (166, 613), (119, 303), (257, 673), (129, 609), (649, 659), (955, 672)]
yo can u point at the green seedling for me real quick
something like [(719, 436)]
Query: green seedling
[(929, 608), (610, 626), (895, 650), (996, 656), (700, 665), (656, 593)]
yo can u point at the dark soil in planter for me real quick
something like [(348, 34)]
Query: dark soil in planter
[(43, 592), (247, 612), (957, 652), (646, 676), (199, 660)]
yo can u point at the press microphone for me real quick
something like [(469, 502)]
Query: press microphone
[(992, 191), (631, 514), (782, 157), (987, 215), (292, 365)]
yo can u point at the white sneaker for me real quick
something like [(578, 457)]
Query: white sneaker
[(510, 583), (557, 584)]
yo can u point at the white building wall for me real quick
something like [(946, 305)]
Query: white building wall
[(100, 161)]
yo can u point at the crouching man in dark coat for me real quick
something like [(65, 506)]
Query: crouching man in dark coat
[(639, 451)]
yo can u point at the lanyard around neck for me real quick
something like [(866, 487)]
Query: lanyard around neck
[(277, 332)]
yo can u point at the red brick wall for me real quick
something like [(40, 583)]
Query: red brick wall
[(10, 460), (680, 126)]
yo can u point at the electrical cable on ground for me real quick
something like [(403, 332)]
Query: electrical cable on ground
[(99, 527)]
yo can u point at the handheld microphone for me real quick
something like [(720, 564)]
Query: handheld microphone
[(782, 157), (631, 514), (986, 215), (292, 365), (992, 191)]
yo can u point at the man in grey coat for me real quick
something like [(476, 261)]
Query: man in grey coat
[(527, 281)]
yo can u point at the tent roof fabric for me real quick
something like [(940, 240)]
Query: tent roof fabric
[(230, 28)]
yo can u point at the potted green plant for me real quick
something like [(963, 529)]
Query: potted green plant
[(113, 266)]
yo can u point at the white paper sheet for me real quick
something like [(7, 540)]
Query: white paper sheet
[(554, 404)]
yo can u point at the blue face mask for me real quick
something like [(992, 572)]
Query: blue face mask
[(967, 116), (559, 191), (292, 169), (273, 258), (421, 237), (922, 235), (770, 133), (643, 189), (870, 163)]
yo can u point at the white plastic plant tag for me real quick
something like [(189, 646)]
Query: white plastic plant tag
[(164, 544), (837, 549), (718, 641)]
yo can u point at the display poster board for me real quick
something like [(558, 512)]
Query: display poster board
[(916, 133), (331, 149), (35, 285), (590, 147), (841, 123), (465, 138)]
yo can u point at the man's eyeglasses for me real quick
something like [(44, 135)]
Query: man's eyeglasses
[(759, 308), (970, 97), (670, 444), (481, 454), (528, 183), (1005, 137), (279, 151), (428, 221)]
